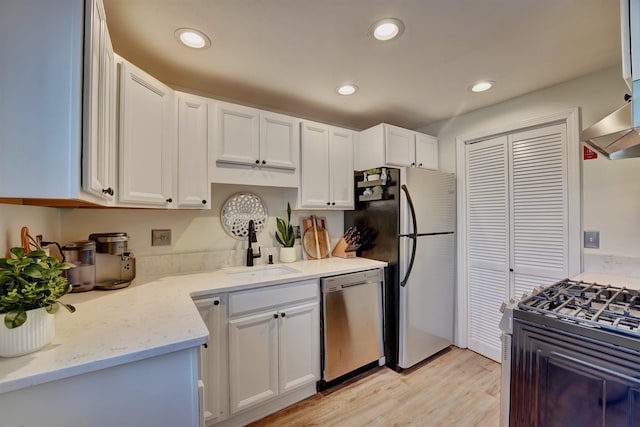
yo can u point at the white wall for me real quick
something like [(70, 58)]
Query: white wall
[(611, 188)]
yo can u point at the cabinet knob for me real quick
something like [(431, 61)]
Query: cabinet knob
[(420, 164), (333, 203), (169, 200), (204, 202), (216, 302), (328, 203), (108, 191), (283, 314), (275, 315), (257, 162), (264, 162), (413, 164)]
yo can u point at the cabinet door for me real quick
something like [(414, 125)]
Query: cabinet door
[(314, 183), (299, 347), (193, 130), (146, 139), (279, 141), (341, 168), (237, 134), (253, 360), (399, 146), (426, 151), (98, 172), (213, 359)]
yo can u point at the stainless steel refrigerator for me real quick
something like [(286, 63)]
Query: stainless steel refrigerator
[(410, 223)]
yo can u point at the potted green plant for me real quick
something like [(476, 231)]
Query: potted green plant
[(30, 286), (285, 235)]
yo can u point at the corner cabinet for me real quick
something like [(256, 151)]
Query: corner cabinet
[(192, 141), (146, 139), (387, 145), (42, 108), (100, 84), (254, 147), (327, 167)]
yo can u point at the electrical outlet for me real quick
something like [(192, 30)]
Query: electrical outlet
[(160, 237), (592, 239)]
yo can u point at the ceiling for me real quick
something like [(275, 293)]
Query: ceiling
[(290, 55)]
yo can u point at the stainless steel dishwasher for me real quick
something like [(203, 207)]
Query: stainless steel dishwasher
[(352, 322)]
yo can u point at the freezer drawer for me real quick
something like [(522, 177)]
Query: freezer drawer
[(352, 322)]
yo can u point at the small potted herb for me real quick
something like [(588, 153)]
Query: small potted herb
[(30, 286), (285, 235)]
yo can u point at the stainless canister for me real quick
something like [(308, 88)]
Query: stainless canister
[(82, 254)]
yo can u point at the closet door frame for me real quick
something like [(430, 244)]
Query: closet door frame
[(571, 119)]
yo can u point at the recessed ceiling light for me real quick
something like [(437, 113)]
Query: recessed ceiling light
[(347, 89), (192, 38), (387, 29), (482, 86)]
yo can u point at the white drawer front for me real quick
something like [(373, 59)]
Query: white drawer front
[(242, 302)]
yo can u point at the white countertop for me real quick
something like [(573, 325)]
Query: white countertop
[(144, 320), (610, 279)]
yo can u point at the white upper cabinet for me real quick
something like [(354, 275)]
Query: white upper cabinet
[(41, 111), (146, 139), (279, 141), (327, 167), (99, 142), (193, 131), (237, 135), (387, 145), (399, 146), (426, 151), (254, 147), (341, 182)]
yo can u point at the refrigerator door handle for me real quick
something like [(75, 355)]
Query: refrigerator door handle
[(412, 235)]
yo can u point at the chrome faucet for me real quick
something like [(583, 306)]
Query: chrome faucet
[(252, 238)]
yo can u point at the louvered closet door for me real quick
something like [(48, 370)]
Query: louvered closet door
[(539, 207), (487, 241)]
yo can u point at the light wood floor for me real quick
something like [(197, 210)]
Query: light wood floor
[(455, 388)]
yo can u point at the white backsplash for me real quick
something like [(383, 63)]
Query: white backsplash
[(612, 264), (158, 265)]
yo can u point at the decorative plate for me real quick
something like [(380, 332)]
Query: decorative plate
[(238, 210)]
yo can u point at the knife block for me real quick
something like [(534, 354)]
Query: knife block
[(344, 250)]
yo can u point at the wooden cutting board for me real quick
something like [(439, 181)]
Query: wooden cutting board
[(315, 241)]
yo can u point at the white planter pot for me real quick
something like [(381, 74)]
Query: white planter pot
[(35, 333), (287, 254)]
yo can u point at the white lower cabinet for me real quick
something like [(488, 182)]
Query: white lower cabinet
[(213, 359), (272, 356)]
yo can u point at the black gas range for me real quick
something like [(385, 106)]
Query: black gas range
[(575, 356), (600, 311)]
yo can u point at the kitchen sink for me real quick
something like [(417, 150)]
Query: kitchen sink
[(243, 273)]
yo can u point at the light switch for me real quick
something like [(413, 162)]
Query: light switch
[(592, 239)]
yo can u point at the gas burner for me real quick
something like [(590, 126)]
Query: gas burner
[(590, 304)]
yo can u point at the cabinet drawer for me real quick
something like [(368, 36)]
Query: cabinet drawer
[(242, 302)]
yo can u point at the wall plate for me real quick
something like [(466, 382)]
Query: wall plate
[(592, 239), (160, 237)]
